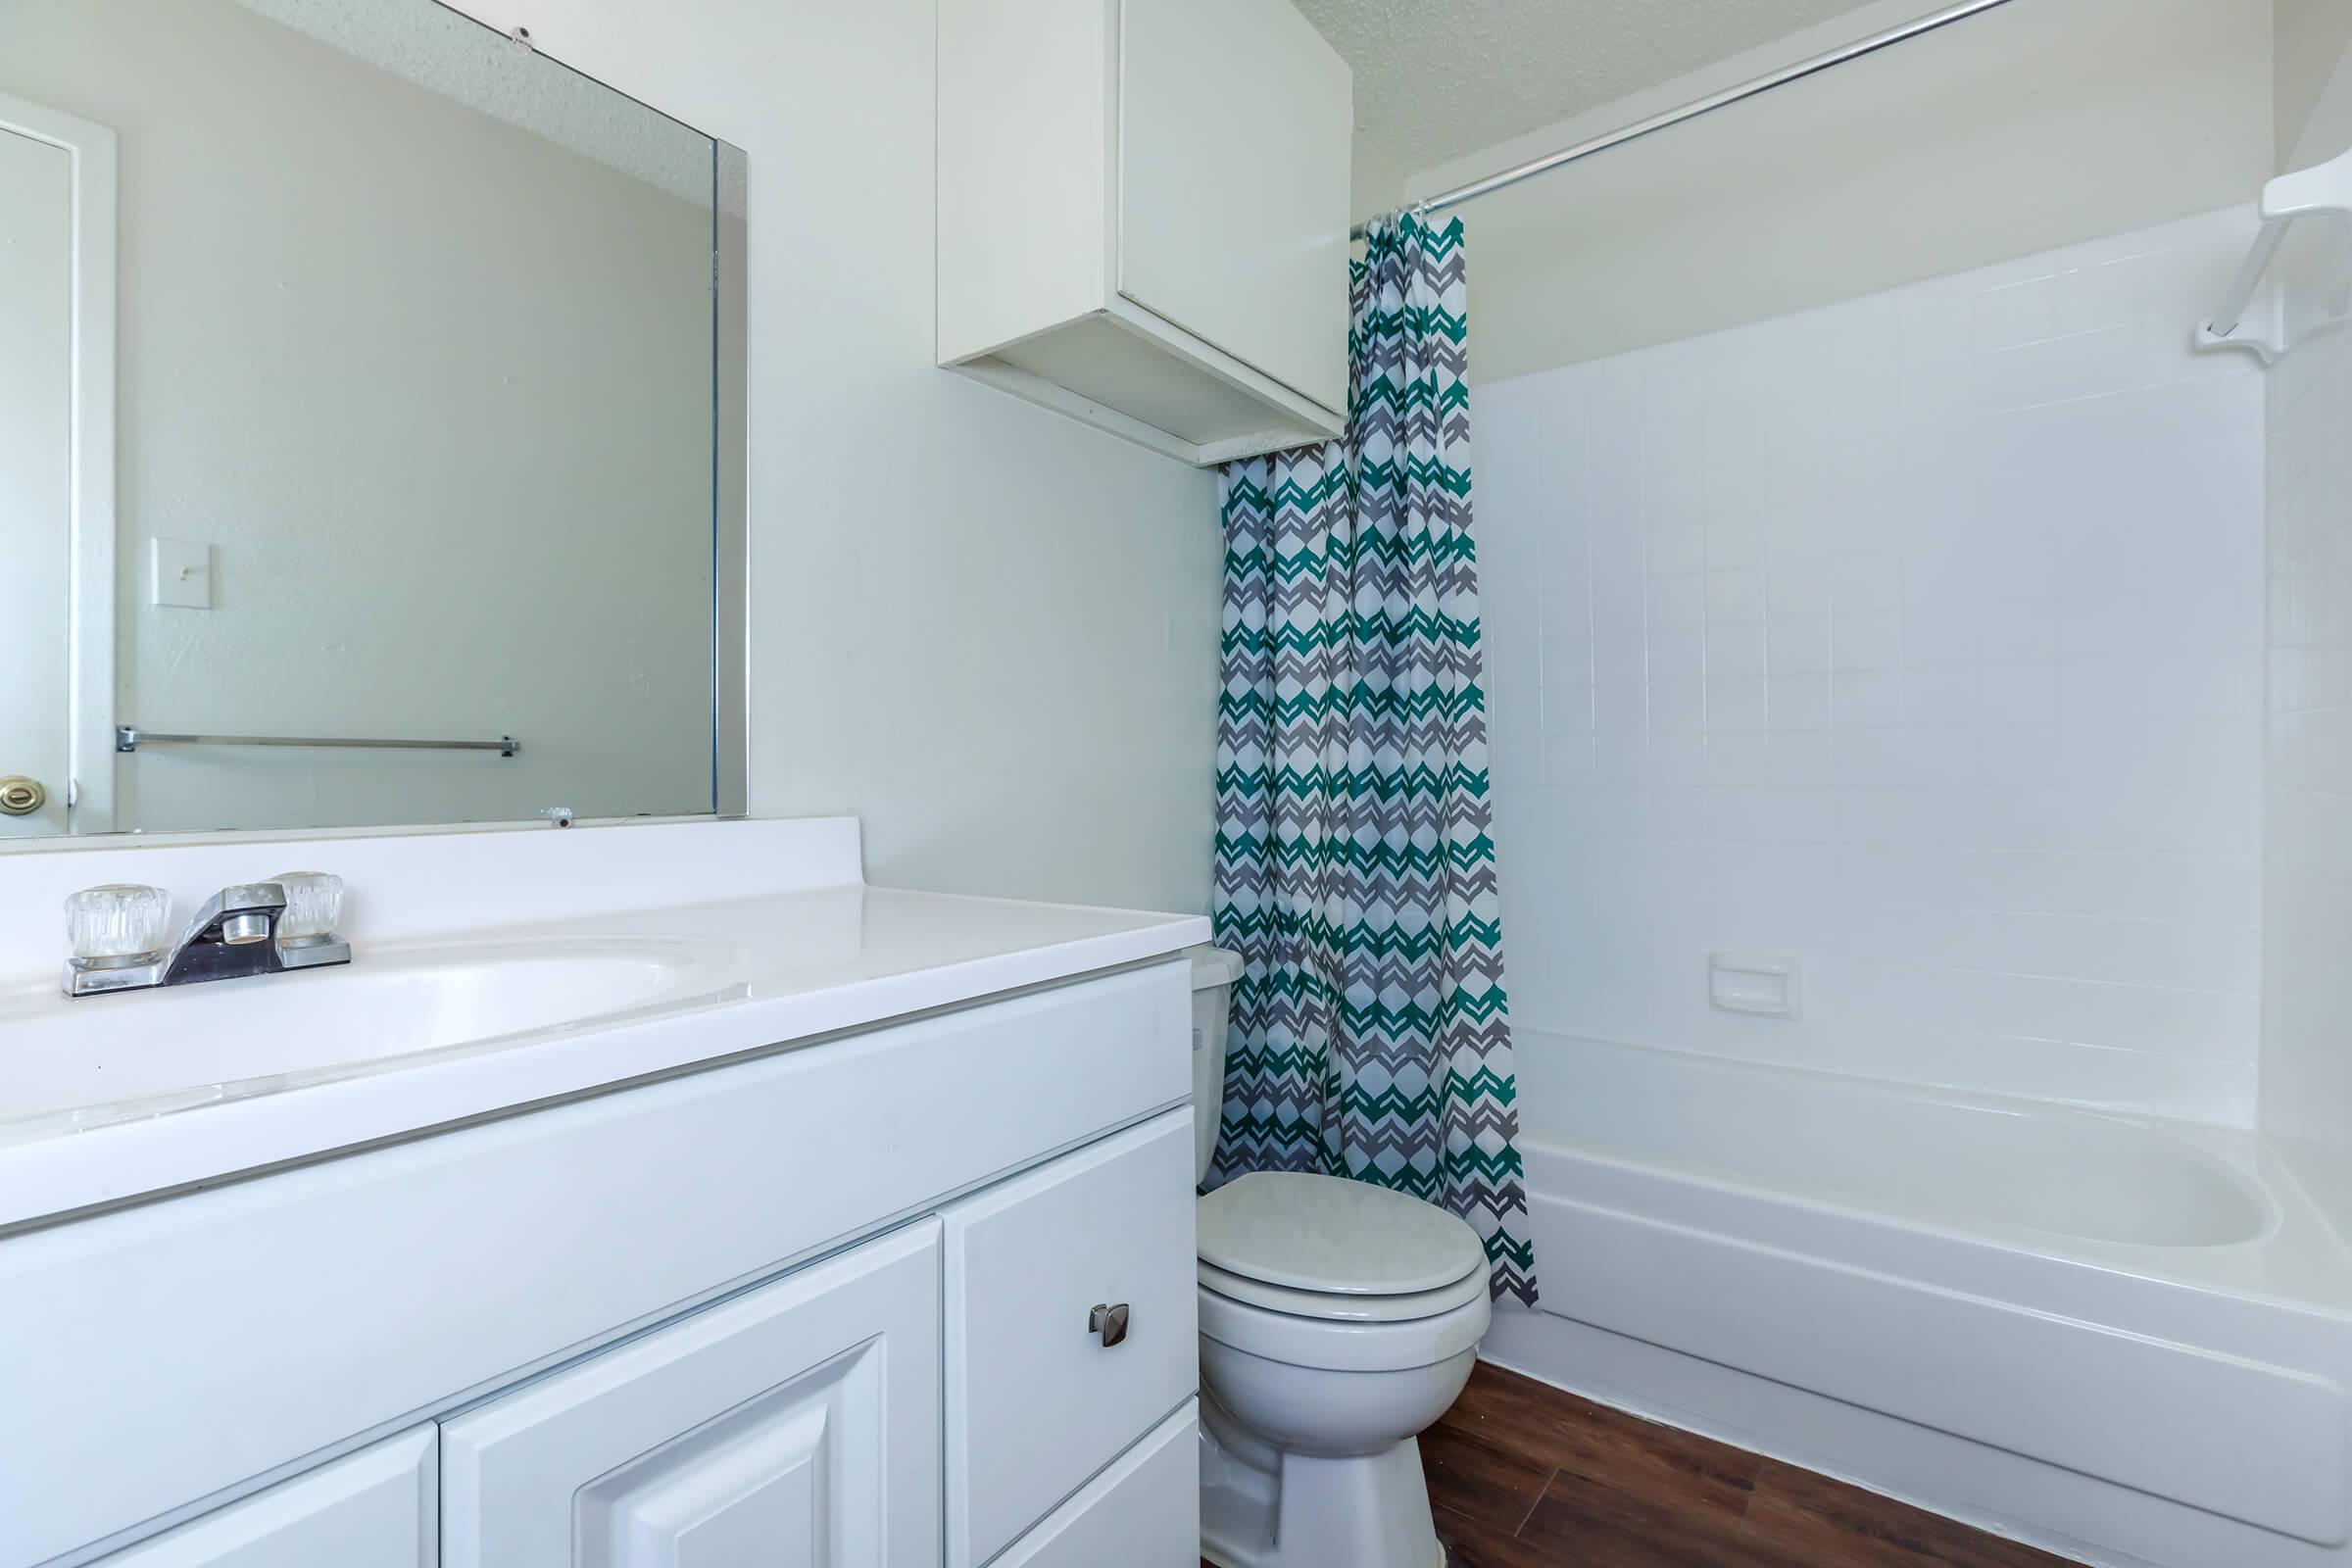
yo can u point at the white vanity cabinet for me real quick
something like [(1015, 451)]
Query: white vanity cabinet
[(779, 1310), (1142, 215)]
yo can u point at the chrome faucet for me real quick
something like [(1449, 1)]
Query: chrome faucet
[(241, 931)]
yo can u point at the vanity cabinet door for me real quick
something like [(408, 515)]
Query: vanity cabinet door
[(1029, 1261), (1143, 1512), (370, 1509), (795, 1424)]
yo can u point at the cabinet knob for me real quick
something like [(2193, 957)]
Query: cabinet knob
[(1110, 1322)]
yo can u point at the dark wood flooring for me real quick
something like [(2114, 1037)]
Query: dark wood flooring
[(1525, 1476)]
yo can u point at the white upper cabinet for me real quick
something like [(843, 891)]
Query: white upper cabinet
[(1142, 215)]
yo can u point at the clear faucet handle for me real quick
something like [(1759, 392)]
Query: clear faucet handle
[(118, 922), (314, 903)]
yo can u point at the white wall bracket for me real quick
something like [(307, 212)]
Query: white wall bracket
[(2254, 314), (2260, 328)]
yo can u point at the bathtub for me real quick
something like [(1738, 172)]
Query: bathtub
[(2121, 1338)]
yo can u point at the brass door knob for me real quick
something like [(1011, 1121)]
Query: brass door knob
[(21, 796)]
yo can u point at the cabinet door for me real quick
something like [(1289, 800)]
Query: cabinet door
[(370, 1509), (1028, 1261), (1143, 1512), (1235, 128), (795, 1425)]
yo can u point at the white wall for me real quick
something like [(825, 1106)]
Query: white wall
[(1378, 185), (2310, 37), (2036, 125), (988, 631), (451, 489), (1917, 637), (2307, 849)]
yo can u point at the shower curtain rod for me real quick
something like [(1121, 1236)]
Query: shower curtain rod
[(1704, 106)]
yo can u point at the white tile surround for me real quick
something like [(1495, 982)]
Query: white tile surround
[(1918, 638), (2307, 850)]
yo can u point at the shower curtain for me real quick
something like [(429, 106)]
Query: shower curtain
[(1354, 873)]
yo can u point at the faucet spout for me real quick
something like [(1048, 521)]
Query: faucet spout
[(230, 936)]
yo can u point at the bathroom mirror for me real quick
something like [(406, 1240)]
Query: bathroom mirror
[(372, 431)]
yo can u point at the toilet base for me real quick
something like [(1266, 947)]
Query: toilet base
[(1365, 1512)]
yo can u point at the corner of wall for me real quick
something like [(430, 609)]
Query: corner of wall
[(2311, 97), (1379, 182), (2305, 1068)]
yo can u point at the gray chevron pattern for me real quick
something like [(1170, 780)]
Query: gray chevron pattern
[(1355, 866)]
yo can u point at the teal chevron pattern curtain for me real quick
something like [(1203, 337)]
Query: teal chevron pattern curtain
[(1355, 870)]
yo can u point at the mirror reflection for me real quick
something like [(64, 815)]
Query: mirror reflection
[(361, 434)]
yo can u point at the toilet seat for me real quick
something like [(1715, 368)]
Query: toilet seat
[(1336, 1344), (1341, 1307)]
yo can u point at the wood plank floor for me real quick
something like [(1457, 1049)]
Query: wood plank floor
[(1525, 1476)]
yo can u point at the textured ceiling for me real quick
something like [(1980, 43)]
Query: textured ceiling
[(1438, 78)]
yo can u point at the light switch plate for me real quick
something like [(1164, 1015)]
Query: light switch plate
[(183, 573)]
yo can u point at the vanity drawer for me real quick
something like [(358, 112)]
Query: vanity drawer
[(1143, 1512), (1035, 1402)]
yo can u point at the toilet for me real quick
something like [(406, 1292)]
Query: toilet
[(1338, 1321)]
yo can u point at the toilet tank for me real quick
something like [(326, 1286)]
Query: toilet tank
[(1214, 970)]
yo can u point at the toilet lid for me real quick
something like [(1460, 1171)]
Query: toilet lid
[(1340, 1238)]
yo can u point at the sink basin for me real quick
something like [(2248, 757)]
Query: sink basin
[(96, 1061)]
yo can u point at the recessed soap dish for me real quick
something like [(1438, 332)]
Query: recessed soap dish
[(1757, 986)]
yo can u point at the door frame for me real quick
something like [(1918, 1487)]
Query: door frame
[(90, 694)]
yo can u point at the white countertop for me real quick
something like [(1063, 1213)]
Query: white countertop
[(794, 966)]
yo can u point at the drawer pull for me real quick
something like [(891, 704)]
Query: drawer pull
[(1110, 1322)]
